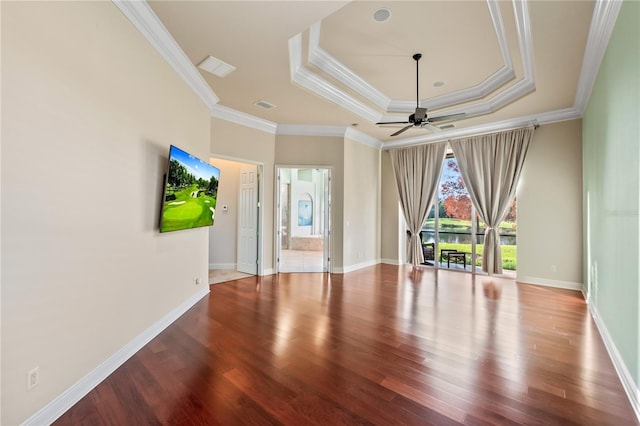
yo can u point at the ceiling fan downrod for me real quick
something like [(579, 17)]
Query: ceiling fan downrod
[(417, 57)]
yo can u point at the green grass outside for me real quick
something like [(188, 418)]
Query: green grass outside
[(509, 253), (187, 211)]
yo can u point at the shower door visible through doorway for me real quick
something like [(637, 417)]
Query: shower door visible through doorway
[(303, 219)]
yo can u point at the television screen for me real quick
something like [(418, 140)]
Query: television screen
[(190, 192)]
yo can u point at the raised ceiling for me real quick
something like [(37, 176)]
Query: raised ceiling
[(331, 64)]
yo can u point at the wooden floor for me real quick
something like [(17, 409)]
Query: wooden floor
[(381, 345)]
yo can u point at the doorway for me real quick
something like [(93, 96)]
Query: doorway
[(234, 238), (455, 231), (303, 219)]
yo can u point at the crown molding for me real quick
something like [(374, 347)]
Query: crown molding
[(512, 123), (603, 21), (604, 17), (329, 131), (490, 85), (145, 21), (310, 130), (305, 78), (519, 89), (362, 138), (331, 66), (523, 26), (244, 119), (316, 84)]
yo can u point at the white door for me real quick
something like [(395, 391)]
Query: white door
[(247, 258)]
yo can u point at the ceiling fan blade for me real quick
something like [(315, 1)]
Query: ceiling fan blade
[(420, 114), (402, 130), (392, 122), (432, 128), (449, 117)]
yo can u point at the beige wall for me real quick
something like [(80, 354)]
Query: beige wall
[(361, 219), (320, 151), (550, 207), (223, 233), (390, 223), (244, 144), (89, 111)]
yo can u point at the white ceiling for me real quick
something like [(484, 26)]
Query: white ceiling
[(329, 66)]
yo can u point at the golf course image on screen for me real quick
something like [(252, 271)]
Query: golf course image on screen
[(190, 193)]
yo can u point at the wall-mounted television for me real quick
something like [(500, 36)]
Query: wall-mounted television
[(190, 192)]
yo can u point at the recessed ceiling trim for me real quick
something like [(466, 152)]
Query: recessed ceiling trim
[(146, 21), (519, 89), (603, 21), (331, 66), (248, 120), (326, 62), (362, 138), (604, 18), (493, 82), (329, 131), (310, 130), (523, 26), (143, 18), (543, 118), (316, 84)]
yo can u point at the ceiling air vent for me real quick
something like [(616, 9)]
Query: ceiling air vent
[(447, 126), (216, 67), (264, 104)]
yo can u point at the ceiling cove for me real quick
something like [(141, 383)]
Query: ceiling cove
[(326, 62), (604, 16)]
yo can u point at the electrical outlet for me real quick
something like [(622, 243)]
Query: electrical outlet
[(33, 378), (196, 281), (553, 268)]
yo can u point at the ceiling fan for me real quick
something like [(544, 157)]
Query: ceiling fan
[(419, 118)]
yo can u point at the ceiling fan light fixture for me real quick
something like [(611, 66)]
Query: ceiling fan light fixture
[(382, 14), (216, 66)]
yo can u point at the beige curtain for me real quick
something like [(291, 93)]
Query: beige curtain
[(490, 166), (417, 170)]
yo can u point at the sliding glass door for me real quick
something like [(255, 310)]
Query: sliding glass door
[(454, 230)]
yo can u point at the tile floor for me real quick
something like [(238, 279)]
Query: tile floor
[(222, 275), (300, 261)]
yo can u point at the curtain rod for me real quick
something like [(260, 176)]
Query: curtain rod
[(533, 124)]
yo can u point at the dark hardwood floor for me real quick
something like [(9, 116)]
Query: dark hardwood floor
[(382, 345)]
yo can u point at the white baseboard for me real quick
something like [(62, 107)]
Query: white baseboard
[(268, 271), (630, 387), (67, 399), (395, 262), (351, 268), (222, 266), (568, 285)]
